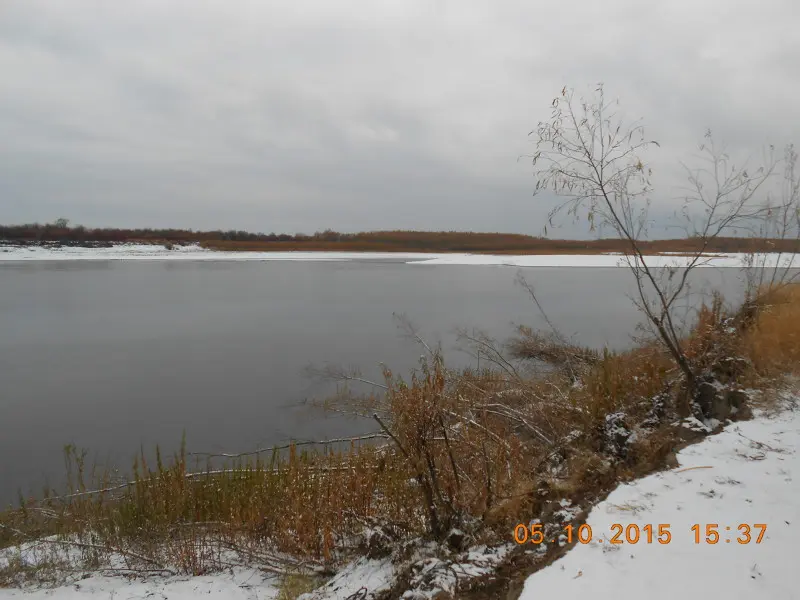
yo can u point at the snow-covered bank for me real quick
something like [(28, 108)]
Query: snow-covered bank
[(744, 475), (196, 253)]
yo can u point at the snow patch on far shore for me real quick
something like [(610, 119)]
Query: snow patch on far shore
[(604, 260), (196, 253), (192, 252)]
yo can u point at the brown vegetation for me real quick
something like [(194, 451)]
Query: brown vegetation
[(495, 243), (378, 241), (772, 342)]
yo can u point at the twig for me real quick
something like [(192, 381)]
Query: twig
[(424, 483), (360, 594), (195, 475), (391, 435), (692, 469), (472, 422), (488, 468), (762, 445), (370, 436), (450, 453), (404, 323)]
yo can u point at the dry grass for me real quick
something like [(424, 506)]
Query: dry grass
[(620, 380), (494, 243), (547, 347), (385, 241), (772, 343), (294, 586), (303, 504)]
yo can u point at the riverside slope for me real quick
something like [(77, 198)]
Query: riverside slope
[(748, 474)]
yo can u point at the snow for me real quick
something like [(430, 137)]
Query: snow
[(196, 253), (743, 475), (434, 578), (247, 584), (600, 260), (373, 576), (191, 252)]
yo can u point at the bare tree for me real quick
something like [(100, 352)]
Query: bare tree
[(593, 160), (765, 271)]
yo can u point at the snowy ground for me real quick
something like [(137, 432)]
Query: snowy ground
[(247, 584), (195, 253), (747, 477), (744, 475)]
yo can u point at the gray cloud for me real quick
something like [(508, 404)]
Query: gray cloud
[(296, 116)]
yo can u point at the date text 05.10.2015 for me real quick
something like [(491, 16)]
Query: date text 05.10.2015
[(712, 533)]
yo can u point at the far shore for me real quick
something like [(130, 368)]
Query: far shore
[(61, 235), (545, 247), (194, 252)]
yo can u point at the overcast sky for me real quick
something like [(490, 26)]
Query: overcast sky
[(299, 115)]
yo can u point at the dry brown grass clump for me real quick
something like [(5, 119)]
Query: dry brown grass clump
[(772, 342), (549, 348)]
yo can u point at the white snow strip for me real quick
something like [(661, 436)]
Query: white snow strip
[(189, 253), (744, 475), (196, 253), (247, 584), (605, 260)]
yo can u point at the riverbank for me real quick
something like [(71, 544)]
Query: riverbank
[(730, 507), (744, 475)]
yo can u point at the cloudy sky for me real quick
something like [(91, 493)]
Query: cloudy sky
[(300, 115)]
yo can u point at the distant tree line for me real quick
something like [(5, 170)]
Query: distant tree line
[(60, 232)]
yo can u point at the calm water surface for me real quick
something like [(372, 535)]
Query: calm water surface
[(115, 355)]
